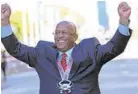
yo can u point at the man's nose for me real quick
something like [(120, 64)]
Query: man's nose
[(60, 35)]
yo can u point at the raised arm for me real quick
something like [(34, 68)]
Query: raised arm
[(119, 41), (11, 43)]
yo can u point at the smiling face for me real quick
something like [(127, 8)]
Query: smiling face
[(65, 35)]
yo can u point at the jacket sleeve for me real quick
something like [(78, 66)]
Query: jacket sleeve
[(111, 49), (19, 50)]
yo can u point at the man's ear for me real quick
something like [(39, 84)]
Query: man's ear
[(75, 37)]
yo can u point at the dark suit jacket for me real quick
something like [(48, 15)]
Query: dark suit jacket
[(88, 57)]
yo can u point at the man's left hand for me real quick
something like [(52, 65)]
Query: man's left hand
[(124, 12)]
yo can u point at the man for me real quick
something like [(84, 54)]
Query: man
[(63, 66)]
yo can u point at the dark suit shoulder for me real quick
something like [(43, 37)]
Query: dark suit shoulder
[(42, 43), (89, 46), (90, 41), (45, 48)]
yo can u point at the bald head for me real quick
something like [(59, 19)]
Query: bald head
[(70, 26)]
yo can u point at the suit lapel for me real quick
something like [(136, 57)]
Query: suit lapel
[(75, 64), (52, 68)]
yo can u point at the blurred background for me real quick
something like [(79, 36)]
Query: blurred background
[(34, 20)]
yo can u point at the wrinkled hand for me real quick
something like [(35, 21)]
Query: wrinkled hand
[(124, 12), (5, 14)]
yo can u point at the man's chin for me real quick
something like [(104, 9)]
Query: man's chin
[(61, 49)]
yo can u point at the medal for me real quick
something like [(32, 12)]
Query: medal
[(65, 86)]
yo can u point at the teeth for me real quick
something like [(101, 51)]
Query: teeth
[(61, 41)]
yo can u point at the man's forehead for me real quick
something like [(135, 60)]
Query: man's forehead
[(66, 24)]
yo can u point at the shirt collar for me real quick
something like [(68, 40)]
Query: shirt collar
[(67, 52)]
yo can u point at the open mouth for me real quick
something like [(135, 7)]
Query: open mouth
[(61, 41)]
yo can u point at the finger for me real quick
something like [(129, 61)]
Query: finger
[(7, 7), (121, 4), (125, 6), (3, 6), (120, 7), (3, 9), (129, 10)]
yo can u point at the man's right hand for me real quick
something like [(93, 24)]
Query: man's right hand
[(5, 14)]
